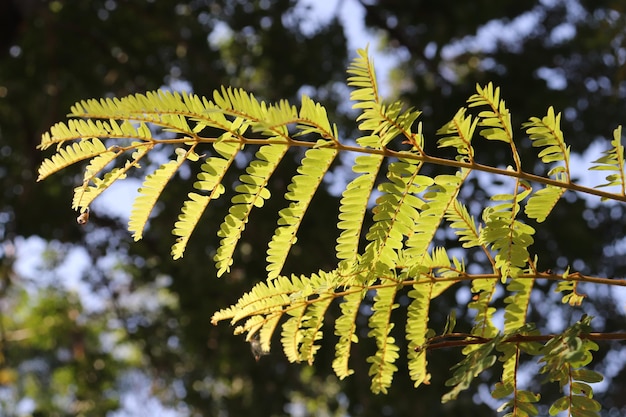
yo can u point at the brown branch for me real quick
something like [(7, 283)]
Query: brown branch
[(465, 339)]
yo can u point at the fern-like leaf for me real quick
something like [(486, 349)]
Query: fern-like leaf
[(314, 165), (78, 129), (363, 78), (438, 198), (353, 205), (304, 299), (69, 155), (269, 120), (345, 328), (149, 193), (464, 224), (458, 133), (252, 192), (416, 329), (508, 237), (383, 367), (311, 326), (209, 180), (85, 194), (516, 305), (99, 163), (291, 335), (314, 119), (570, 291), (613, 160), (515, 311), (384, 122), (472, 365), (546, 133), (395, 213), (541, 203), (522, 402), (565, 357), (483, 290), (496, 121)]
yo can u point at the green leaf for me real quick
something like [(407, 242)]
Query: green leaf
[(497, 119), (587, 375), (303, 186), (613, 160), (149, 193), (71, 154), (353, 205), (345, 328), (252, 193), (383, 367)]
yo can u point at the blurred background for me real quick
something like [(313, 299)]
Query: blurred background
[(93, 324)]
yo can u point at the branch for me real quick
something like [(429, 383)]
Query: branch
[(465, 339)]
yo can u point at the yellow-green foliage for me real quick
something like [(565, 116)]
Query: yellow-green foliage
[(396, 256)]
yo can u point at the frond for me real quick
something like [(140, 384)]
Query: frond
[(304, 299), (383, 367), (170, 110), (396, 212), (496, 121), (483, 290), (416, 329), (522, 401), (508, 237), (516, 304), (395, 123), (508, 385), (314, 119), (353, 205), (613, 161), (515, 313), (100, 162), (209, 181), (565, 357), (458, 133), (472, 365), (399, 250), (438, 198), (270, 120), (385, 122), (78, 129), (269, 297), (345, 328), (312, 324), (188, 218), (363, 79), (291, 335), (85, 194), (541, 203), (69, 155), (464, 224), (149, 193), (438, 262), (251, 193), (570, 292), (263, 298), (546, 133), (266, 331), (303, 186)]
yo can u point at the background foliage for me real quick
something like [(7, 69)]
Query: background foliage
[(150, 315)]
